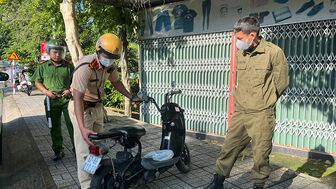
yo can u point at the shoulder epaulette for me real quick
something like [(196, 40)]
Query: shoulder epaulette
[(94, 64), (43, 62)]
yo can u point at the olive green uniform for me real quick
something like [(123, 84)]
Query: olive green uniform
[(56, 79), (262, 76)]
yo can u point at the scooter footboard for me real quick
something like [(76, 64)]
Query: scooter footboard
[(150, 164)]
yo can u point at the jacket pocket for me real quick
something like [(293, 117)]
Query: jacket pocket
[(261, 72)]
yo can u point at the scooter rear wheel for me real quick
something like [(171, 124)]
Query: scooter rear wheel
[(103, 178), (183, 165)]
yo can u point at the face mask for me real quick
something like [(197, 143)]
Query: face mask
[(243, 45), (106, 62)]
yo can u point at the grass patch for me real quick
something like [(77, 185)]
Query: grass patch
[(312, 167)]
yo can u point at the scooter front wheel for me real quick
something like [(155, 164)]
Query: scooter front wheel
[(183, 165), (103, 178)]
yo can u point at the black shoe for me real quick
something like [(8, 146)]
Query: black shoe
[(216, 183), (58, 156), (257, 187), (305, 6)]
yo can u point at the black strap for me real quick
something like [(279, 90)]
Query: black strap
[(70, 80), (96, 80), (101, 81), (86, 63), (110, 70)]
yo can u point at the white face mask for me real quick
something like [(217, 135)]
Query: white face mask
[(243, 45), (106, 62)]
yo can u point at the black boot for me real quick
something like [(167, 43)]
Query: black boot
[(217, 182), (257, 187), (58, 156)]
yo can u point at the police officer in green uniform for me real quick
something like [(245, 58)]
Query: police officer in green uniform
[(52, 77), (262, 76)]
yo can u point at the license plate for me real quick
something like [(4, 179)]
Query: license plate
[(91, 163)]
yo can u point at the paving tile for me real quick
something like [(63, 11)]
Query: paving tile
[(203, 156)]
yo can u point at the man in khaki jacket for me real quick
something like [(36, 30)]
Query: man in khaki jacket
[(262, 75), (86, 108)]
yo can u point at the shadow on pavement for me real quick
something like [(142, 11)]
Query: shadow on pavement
[(23, 165)]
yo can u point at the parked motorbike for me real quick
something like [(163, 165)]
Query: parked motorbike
[(25, 86), (130, 171)]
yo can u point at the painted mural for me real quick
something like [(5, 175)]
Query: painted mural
[(205, 16)]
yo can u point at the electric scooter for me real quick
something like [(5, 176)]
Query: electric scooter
[(130, 171)]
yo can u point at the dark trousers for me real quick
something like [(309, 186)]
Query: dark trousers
[(206, 7), (57, 107), (258, 127), (163, 19)]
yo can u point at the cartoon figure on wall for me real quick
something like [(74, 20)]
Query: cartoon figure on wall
[(223, 10), (163, 19), (206, 7), (184, 18)]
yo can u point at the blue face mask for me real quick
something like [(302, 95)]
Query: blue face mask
[(106, 62), (243, 45)]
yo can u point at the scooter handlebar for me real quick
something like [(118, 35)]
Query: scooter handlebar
[(150, 99)]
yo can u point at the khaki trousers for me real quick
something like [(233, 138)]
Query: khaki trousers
[(93, 120), (258, 127)]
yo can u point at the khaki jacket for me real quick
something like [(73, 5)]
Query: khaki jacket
[(262, 76)]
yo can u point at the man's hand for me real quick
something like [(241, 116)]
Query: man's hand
[(85, 134), (137, 100), (51, 94), (66, 93)]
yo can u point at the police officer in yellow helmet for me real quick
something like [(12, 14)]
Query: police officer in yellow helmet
[(86, 108), (262, 76)]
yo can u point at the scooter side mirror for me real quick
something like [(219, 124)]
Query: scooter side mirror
[(173, 84)]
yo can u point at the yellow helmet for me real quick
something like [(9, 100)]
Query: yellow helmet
[(110, 45)]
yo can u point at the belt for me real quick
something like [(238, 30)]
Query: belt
[(89, 104)]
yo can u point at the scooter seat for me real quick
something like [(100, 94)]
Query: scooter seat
[(130, 131), (106, 134), (115, 133)]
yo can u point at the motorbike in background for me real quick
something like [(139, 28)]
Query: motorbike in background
[(25, 86)]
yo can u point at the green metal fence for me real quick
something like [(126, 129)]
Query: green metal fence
[(200, 66)]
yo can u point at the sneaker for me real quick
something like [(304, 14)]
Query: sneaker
[(305, 6), (316, 9), (58, 156)]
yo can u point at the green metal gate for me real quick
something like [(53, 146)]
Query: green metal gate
[(200, 66)]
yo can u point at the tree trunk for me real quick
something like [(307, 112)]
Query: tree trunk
[(67, 9), (124, 72)]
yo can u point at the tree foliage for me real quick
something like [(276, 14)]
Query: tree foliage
[(24, 24), (29, 23)]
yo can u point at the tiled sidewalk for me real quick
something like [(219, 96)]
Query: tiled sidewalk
[(203, 155)]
